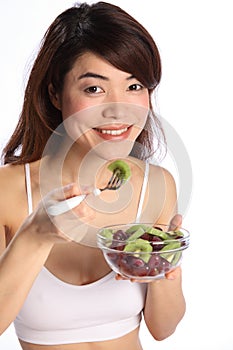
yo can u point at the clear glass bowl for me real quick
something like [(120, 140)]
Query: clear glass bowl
[(142, 251)]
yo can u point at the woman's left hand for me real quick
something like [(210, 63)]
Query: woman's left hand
[(175, 224)]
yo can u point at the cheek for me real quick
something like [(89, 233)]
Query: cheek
[(70, 108), (146, 100), (142, 98), (72, 104), (81, 121)]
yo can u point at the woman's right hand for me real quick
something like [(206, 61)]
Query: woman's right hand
[(60, 228), (28, 251)]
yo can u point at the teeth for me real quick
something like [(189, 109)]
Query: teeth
[(112, 132)]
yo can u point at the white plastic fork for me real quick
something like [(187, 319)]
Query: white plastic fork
[(61, 207)]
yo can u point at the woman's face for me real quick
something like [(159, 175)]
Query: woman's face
[(102, 105)]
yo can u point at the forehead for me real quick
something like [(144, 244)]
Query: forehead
[(90, 62)]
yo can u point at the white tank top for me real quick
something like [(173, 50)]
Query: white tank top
[(56, 312)]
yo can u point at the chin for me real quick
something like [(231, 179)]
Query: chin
[(114, 150)]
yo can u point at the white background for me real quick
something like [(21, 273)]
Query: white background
[(195, 42)]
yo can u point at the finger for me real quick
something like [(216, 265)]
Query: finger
[(170, 276), (173, 274), (60, 193), (84, 213), (67, 191), (119, 277), (134, 280), (68, 197), (175, 222)]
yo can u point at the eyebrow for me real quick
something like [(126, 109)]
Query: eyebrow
[(99, 76)]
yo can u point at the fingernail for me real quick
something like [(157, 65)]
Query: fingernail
[(171, 277)]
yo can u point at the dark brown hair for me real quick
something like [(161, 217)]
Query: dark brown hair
[(104, 29)]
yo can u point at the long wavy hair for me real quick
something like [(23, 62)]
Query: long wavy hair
[(105, 30)]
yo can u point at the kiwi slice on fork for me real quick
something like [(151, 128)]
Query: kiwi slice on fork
[(122, 168)]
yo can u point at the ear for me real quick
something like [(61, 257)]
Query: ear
[(54, 96)]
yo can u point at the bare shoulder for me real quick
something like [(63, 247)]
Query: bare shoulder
[(162, 174), (10, 175), (159, 175), (12, 187), (163, 187)]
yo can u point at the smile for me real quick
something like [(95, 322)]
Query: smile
[(114, 134), (112, 131)]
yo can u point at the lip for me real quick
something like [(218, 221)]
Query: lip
[(109, 136)]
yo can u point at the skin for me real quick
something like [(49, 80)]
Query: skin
[(38, 241)]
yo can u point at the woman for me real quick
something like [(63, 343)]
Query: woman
[(87, 102)]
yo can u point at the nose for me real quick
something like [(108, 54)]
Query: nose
[(115, 103), (115, 110)]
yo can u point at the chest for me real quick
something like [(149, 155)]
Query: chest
[(53, 304)]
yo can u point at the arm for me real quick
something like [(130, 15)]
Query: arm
[(27, 252), (165, 306), (20, 263), (165, 303)]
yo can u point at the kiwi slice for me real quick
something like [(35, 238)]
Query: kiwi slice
[(136, 234), (135, 227), (124, 168), (170, 246), (140, 247), (158, 233), (107, 233), (175, 234), (176, 258)]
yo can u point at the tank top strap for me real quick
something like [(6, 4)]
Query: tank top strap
[(143, 192), (28, 188)]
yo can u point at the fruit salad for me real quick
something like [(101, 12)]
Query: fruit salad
[(141, 250)]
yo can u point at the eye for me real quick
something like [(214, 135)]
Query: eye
[(93, 90), (135, 87)]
